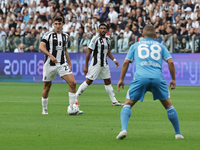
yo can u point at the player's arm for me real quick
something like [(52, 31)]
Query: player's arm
[(44, 50), (87, 58), (110, 55), (172, 72), (124, 69), (68, 59)]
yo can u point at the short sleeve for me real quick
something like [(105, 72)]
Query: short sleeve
[(130, 54), (92, 44), (45, 37), (166, 54)]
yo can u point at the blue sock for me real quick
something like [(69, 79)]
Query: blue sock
[(125, 115), (173, 117)]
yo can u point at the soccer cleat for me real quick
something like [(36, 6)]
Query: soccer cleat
[(45, 112), (118, 103), (76, 102), (80, 112), (122, 135), (179, 136)]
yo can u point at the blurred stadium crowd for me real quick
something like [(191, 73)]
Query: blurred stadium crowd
[(24, 22)]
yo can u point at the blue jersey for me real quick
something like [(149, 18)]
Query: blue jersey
[(148, 55)]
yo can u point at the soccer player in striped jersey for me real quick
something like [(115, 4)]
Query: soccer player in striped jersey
[(148, 55), (54, 46), (99, 48)]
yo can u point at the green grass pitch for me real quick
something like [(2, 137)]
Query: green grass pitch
[(23, 127)]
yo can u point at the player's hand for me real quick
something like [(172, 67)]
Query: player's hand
[(53, 59), (116, 63), (172, 84), (120, 83), (85, 70)]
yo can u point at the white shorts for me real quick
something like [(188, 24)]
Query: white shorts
[(98, 72), (50, 72)]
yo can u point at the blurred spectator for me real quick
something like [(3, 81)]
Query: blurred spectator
[(7, 9), (109, 24), (158, 37), (73, 31), (188, 13), (128, 33), (185, 47), (37, 41), (31, 49), (104, 15), (125, 7), (122, 23), (28, 41), (184, 32), (3, 24), (123, 44), (76, 24), (115, 4), (66, 25), (118, 30), (19, 17), (26, 16), (12, 24), (190, 5), (177, 44), (95, 24), (173, 6), (2, 33), (15, 10), (166, 41), (10, 46), (7, 31), (135, 31), (112, 14), (178, 29), (147, 6), (33, 7), (132, 40), (25, 7), (20, 49), (9, 17), (42, 9), (19, 32)]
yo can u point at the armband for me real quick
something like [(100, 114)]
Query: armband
[(114, 59)]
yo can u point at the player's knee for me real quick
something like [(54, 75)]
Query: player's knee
[(72, 84), (47, 89)]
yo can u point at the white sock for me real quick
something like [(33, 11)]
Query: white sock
[(110, 91), (44, 103), (81, 89), (72, 97)]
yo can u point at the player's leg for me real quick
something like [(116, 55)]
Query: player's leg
[(45, 94), (160, 91), (110, 91), (92, 74), (136, 92), (83, 87), (72, 89), (172, 116), (124, 116)]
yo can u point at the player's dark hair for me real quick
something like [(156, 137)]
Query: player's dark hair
[(149, 31), (103, 24), (58, 18)]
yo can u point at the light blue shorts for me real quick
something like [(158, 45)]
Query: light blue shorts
[(156, 86)]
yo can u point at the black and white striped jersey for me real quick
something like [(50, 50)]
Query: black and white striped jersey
[(100, 47), (56, 44)]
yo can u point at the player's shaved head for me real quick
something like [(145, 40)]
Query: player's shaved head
[(149, 31)]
